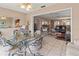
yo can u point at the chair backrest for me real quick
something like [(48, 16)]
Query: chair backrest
[(19, 35), (36, 41), (2, 41)]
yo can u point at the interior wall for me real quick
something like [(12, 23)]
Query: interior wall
[(38, 21), (75, 16), (9, 22), (15, 15)]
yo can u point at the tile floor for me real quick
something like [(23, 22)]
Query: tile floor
[(53, 47)]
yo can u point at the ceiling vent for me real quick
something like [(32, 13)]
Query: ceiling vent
[(43, 6)]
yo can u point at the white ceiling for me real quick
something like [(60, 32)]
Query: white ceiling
[(57, 15), (16, 6)]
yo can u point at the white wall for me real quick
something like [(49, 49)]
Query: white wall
[(15, 15)]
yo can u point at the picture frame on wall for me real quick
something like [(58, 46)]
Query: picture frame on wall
[(2, 23)]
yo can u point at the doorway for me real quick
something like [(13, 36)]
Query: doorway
[(56, 23)]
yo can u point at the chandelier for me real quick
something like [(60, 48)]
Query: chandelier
[(26, 6)]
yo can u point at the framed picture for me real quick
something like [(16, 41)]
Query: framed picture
[(2, 23)]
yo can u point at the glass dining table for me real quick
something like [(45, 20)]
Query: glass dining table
[(20, 47)]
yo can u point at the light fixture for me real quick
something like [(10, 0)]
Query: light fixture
[(58, 23), (26, 6), (23, 5), (29, 6), (3, 17)]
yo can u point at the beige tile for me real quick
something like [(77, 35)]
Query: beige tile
[(53, 47)]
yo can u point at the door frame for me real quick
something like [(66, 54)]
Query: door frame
[(54, 12)]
